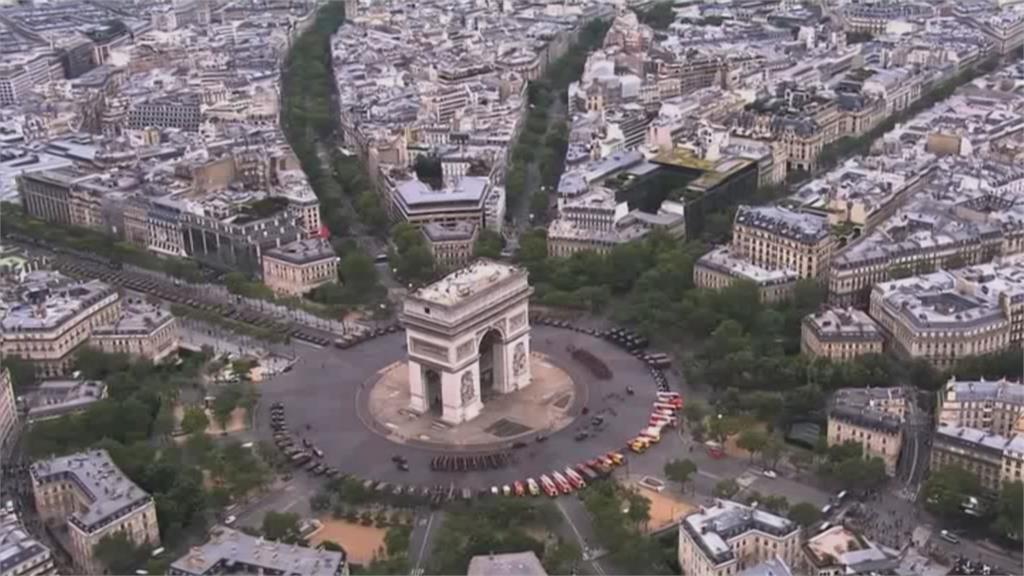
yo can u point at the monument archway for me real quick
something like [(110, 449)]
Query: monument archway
[(472, 328), (492, 353)]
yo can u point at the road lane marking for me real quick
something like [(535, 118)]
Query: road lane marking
[(426, 538)]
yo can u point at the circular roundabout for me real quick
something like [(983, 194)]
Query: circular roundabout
[(349, 409)]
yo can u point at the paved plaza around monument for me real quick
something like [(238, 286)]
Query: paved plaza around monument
[(327, 399)]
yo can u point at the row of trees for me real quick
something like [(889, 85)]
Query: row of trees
[(948, 489), (93, 244), (498, 526), (545, 134), (309, 121)]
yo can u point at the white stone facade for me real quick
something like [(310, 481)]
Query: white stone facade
[(475, 322)]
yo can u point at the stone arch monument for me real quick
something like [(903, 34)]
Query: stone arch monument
[(468, 336)]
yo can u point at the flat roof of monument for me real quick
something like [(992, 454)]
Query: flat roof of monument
[(467, 282)]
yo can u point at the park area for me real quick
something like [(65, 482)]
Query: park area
[(362, 543)]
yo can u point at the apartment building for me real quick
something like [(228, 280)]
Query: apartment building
[(728, 537), (840, 334), (232, 552), (50, 316), (89, 494), (56, 398), (451, 243), (995, 406), (300, 266), (871, 417), (771, 246), (993, 458), (721, 268), (8, 410), (142, 330), (945, 316), (21, 554), (180, 111)]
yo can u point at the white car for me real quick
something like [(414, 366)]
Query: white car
[(770, 474)]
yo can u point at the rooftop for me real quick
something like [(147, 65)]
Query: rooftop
[(137, 317), (303, 251), (722, 260), (476, 278), (513, 564), (107, 493), (45, 300), (843, 324), (713, 527), (249, 554), (450, 231), (57, 397), (17, 545), (986, 391)]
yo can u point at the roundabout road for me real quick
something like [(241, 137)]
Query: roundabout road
[(322, 391)]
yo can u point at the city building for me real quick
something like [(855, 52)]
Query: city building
[(728, 537), (298, 267), (8, 410), (21, 554), (55, 398), (49, 316), (872, 418), (142, 330), (772, 247), (840, 334), (948, 315), (232, 552), (995, 406), (89, 495), (451, 243), (511, 564), (839, 550), (773, 567), (993, 458)]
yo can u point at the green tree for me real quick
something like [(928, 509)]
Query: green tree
[(359, 274), (23, 373), (488, 244), (224, 405), (947, 488), (726, 488), (695, 411), (195, 420), (320, 501), (772, 451), (680, 471), (1010, 511), (282, 527), (331, 546), (804, 514), (753, 440), (118, 554)]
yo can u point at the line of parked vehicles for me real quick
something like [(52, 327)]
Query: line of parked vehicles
[(565, 481), (664, 414), (350, 340), (304, 455), (472, 463)]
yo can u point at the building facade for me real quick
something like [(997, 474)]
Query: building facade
[(8, 410), (89, 494), (729, 537), (993, 406), (451, 243), (840, 334), (993, 458), (52, 317), (21, 554), (142, 330), (298, 267), (872, 418)]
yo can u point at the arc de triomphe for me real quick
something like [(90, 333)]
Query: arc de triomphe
[(468, 337)]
